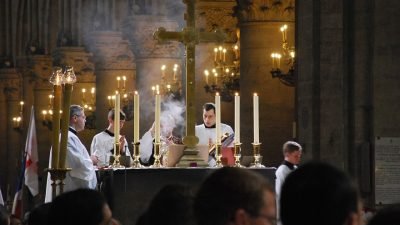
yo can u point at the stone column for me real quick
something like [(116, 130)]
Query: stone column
[(260, 35), (150, 56), (11, 153), (112, 57)]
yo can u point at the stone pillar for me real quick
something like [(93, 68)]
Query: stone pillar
[(79, 58), (260, 36), (112, 57), (11, 153), (209, 17), (150, 56)]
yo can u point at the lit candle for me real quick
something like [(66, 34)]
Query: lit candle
[(220, 52), (157, 118), (218, 118), (206, 73), (224, 51), (118, 79), (278, 56), (163, 67), (136, 117), (116, 121), (83, 94), (175, 69), (44, 113), (21, 103), (273, 60), (124, 81), (109, 101), (256, 119), (215, 54), (50, 99), (153, 89), (237, 118), (216, 78)]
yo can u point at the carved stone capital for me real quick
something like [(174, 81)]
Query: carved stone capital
[(110, 51), (265, 10), (79, 59), (140, 32), (212, 16)]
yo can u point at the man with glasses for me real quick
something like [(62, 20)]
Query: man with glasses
[(83, 173), (235, 196), (102, 146)]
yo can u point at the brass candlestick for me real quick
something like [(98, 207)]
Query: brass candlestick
[(136, 155), (256, 153), (57, 175), (116, 163), (237, 155), (218, 156), (157, 156)]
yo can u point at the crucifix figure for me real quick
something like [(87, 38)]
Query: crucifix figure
[(189, 36)]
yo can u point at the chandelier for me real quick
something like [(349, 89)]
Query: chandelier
[(170, 85), (287, 58), (126, 98), (224, 77), (17, 120)]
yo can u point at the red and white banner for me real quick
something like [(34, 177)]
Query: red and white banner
[(31, 150)]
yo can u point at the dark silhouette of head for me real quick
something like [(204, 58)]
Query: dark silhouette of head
[(79, 207), (4, 216), (39, 215), (389, 215), (230, 193), (318, 193), (172, 205)]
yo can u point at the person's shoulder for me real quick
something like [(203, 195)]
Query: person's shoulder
[(226, 126), (199, 126)]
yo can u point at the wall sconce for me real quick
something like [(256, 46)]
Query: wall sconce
[(224, 78), (288, 58), (126, 98), (170, 84), (18, 120), (89, 104)]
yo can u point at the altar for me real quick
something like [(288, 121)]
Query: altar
[(129, 191)]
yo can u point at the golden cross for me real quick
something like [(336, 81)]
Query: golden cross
[(189, 36)]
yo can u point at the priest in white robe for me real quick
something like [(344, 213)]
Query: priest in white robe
[(102, 146), (206, 132), (83, 173)]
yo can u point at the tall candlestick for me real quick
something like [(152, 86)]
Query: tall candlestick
[(56, 126), (157, 118), (116, 121), (256, 119), (65, 124), (237, 118), (218, 118), (136, 117)]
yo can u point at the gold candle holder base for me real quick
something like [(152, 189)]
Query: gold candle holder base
[(136, 155), (57, 175), (218, 156), (157, 156), (256, 153), (238, 155), (116, 164)]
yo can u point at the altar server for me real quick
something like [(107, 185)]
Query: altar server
[(83, 173)]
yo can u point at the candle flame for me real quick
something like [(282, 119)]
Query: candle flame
[(163, 67), (123, 77), (255, 94), (217, 94), (118, 78), (236, 94), (136, 93), (21, 103), (83, 90)]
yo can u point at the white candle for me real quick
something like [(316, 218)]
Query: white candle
[(157, 118), (116, 121), (237, 118), (218, 118), (136, 116), (256, 119)]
